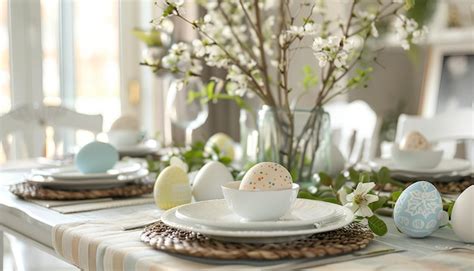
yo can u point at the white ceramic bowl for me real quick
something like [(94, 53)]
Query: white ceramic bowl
[(421, 159), (121, 138), (259, 205)]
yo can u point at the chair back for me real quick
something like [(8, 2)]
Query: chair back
[(27, 123), (355, 128), (446, 129)]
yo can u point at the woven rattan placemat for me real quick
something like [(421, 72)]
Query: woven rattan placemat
[(350, 238), (30, 190), (454, 187)]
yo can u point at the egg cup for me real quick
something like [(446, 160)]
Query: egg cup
[(416, 159), (261, 205)]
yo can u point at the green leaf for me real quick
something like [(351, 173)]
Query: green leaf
[(384, 175), (450, 208), (364, 177), (306, 195), (378, 204), (152, 38), (377, 225), (409, 4), (395, 195), (225, 160), (340, 181), (168, 10), (210, 89), (325, 179), (354, 175), (310, 78)]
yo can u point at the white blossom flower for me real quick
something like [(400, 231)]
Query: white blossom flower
[(301, 31), (373, 30), (176, 3), (408, 31), (335, 49), (198, 48), (359, 200)]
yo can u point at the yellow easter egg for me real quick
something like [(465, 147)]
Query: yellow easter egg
[(223, 142), (172, 188)]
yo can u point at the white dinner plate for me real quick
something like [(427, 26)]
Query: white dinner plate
[(446, 166), (344, 217), (72, 173), (216, 213), (100, 183)]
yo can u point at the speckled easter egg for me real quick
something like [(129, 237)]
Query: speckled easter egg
[(414, 141), (419, 210), (266, 176), (96, 157)]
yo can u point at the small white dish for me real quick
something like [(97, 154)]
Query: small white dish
[(268, 205), (72, 173), (259, 236), (416, 159), (446, 166), (216, 213)]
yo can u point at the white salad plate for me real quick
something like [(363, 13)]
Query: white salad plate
[(343, 217), (445, 166), (72, 173), (99, 183), (216, 213)]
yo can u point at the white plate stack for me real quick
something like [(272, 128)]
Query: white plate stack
[(214, 219), (448, 170), (69, 178)]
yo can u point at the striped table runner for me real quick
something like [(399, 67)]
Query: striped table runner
[(108, 245)]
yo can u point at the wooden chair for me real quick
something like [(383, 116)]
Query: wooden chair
[(445, 129), (28, 122), (355, 128)]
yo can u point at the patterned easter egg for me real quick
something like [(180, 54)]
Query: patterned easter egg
[(266, 176), (419, 210)]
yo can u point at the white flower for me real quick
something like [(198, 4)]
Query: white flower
[(335, 49), (169, 61), (408, 31), (199, 48), (342, 195), (301, 31), (176, 3), (360, 199), (373, 30)]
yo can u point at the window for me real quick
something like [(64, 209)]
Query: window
[(72, 53), (50, 43), (5, 93), (96, 42)]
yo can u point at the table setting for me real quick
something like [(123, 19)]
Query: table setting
[(283, 197)]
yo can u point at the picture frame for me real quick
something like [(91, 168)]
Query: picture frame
[(449, 78)]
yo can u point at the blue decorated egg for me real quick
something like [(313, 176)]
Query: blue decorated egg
[(419, 210), (96, 157)]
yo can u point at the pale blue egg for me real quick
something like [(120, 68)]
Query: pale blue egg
[(418, 210), (96, 157)]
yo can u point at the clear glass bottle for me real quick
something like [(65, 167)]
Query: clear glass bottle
[(300, 141)]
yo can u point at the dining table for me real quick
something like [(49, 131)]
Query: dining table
[(35, 225)]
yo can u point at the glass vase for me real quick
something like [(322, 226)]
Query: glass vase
[(297, 139)]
